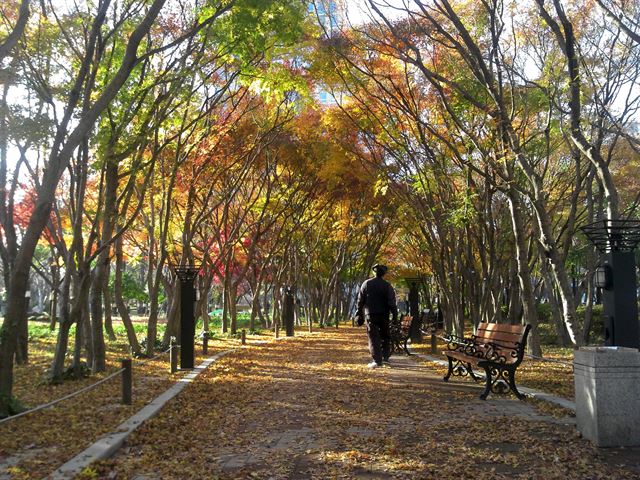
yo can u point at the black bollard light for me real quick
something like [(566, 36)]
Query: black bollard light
[(187, 275)]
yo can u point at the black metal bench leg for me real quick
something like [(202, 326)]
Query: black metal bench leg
[(471, 374), (446, 377), (487, 385), (405, 346), (512, 385)]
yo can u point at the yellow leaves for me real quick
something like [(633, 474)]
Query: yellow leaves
[(381, 186)]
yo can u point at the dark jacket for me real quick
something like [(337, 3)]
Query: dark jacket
[(377, 297)]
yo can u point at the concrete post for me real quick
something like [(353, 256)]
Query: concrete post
[(127, 381), (607, 386), (173, 355)]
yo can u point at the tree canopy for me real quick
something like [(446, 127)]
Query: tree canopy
[(274, 143)]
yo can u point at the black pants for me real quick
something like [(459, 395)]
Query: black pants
[(379, 337)]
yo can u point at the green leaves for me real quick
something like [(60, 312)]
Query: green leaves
[(132, 288), (252, 27)]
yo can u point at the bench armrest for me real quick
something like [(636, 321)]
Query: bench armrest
[(497, 352), (455, 342)]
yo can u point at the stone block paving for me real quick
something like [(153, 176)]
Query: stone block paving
[(294, 441), (403, 372), (318, 421)]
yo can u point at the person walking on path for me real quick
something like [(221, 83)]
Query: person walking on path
[(376, 300)]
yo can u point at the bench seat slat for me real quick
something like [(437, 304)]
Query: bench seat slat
[(463, 357), (512, 342)]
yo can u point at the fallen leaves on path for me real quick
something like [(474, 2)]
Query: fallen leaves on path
[(36, 444), (308, 408), (553, 374)]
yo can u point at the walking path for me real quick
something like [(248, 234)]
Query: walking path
[(309, 408)]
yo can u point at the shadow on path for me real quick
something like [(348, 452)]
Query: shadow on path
[(309, 408)]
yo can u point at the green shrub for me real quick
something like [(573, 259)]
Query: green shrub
[(547, 329), (547, 333), (139, 328), (544, 312), (39, 331), (597, 323), (10, 406)]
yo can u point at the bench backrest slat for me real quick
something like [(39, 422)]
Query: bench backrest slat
[(502, 327), (508, 339), (405, 323)]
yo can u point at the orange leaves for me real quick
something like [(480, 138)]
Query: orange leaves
[(308, 408)]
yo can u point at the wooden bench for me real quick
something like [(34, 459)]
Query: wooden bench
[(496, 348), (399, 332)]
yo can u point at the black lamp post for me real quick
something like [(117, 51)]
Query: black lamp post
[(288, 310), (187, 275), (617, 240), (414, 308)]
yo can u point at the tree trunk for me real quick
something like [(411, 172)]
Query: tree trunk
[(100, 285), (173, 315), (22, 347), (98, 363), (62, 343), (524, 274), (53, 310), (152, 322), (233, 309), (136, 350), (108, 313)]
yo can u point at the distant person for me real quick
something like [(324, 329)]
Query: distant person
[(376, 300)]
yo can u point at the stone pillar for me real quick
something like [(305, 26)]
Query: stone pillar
[(607, 385)]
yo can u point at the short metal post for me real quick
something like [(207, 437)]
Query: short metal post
[(173, 355), (205, 343), (243, 337), (434, 342), (127, 381)]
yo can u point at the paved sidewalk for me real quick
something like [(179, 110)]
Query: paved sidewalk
[(308, 408)]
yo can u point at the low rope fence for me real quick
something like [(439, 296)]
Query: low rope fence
[(147, 360), (126, 370), (66, 397)]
